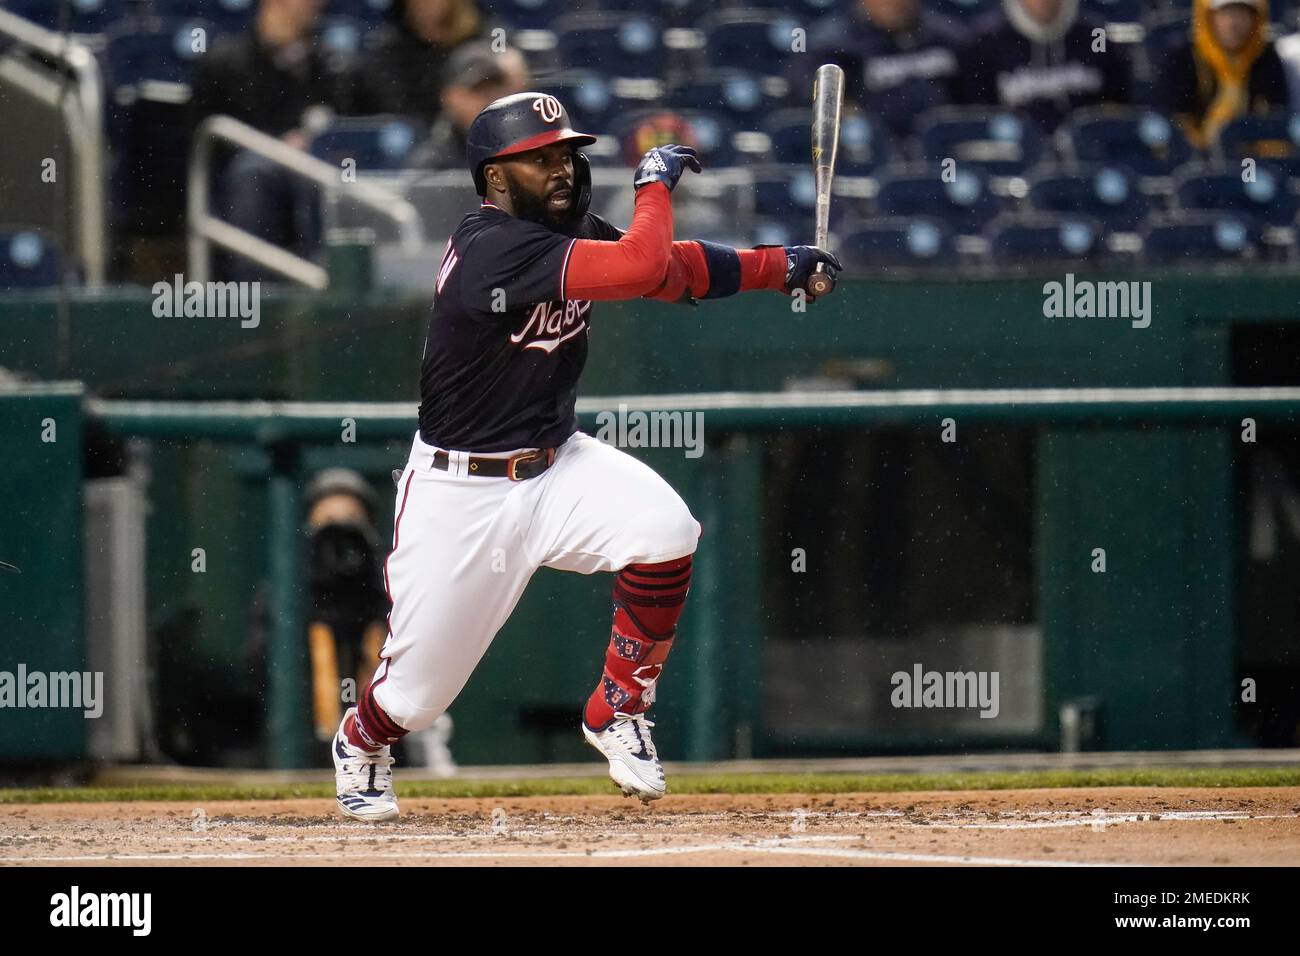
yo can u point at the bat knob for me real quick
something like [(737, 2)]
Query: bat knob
[(820, 283)]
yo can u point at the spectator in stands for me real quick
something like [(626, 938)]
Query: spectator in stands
[(273, 73), (898, 58), (405, 62), (472, 78), (1044, 59), (277, 78), (1227, 68)]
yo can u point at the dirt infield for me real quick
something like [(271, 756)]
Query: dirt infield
[(1114, 825)]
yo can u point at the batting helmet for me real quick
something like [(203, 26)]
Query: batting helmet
[(520, 122)]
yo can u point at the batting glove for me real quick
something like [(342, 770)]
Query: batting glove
[(665, 164), (801, 262)]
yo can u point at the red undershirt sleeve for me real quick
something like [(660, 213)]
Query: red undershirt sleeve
[(630, 267), (705, 270)]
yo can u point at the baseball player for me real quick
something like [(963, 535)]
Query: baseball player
[(500, 482)]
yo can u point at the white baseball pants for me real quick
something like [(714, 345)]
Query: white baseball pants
[(465, 547)]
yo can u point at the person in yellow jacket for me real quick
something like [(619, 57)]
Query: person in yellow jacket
[(1226, 69)]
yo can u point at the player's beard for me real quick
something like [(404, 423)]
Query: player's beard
[(527, 205)]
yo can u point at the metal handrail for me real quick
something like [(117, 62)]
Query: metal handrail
[(85, 134), (205, 229)]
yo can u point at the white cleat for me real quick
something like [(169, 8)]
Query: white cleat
[(363, 781), (633, 763)]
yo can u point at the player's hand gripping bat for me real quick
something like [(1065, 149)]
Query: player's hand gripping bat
[(828, 101)]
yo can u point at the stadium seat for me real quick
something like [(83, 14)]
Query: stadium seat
[(226, 16), (1116, 11), (713, 135), (148, 69), (738, 94), (1165, 30), (534, 14), (28, 260), (377, 144), (1184, 237), (789, 195), (757, 40), (588, 97), (367, 11), (1142, 140), (962, 11), (1273, 138), (864, 144), (895, 242), (994, 140), (1266, 199), (341, 35), (85, 16), (610, 43), (1108, 194), (965, 203), (1044, 238), (674, 13)]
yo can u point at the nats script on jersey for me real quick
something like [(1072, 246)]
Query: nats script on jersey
[(505, 348)]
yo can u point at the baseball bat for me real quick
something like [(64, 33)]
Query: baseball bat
[(828, 102)]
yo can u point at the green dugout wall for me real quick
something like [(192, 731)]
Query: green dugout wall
[(1152, 638)]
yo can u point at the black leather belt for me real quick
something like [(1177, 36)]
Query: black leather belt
[(528, 464)]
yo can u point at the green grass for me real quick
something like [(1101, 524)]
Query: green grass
[(683, 783)]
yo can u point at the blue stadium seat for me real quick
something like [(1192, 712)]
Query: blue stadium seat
[(1142, 140), (148, 68), (226, 16), (341, 35), (28, 260), (800, 8), (85, 16), (962, 11), (1179, 237), (611, 43), (965, 203), (367, 11), (588, 97), (712, 133), (376, 143), (738, 94), (1116, 11), (757, 40), (675, 13), (533, 14), (864, 144), (1266, 199), (1273, 138), (897, 242), (789, 195), (158, 50), (1108, 194), (1045, 237), (1165, 30), (994, 140)]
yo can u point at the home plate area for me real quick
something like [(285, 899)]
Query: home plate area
[(1076, 827)]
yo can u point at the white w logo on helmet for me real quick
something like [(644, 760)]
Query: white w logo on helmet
[(548, 107)]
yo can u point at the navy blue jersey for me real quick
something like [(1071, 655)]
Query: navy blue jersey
[(1000, 66), (505, 348)]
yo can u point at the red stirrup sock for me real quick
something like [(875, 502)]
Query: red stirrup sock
[(370, 728), (648, 600)]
